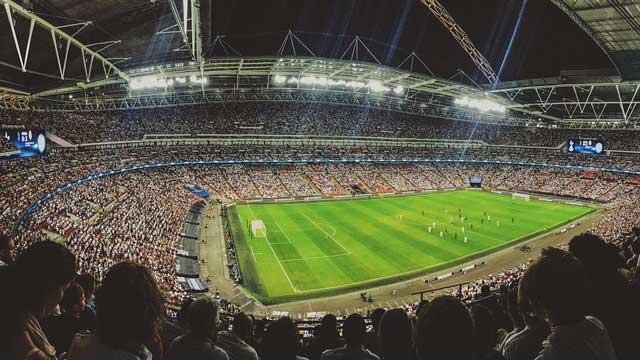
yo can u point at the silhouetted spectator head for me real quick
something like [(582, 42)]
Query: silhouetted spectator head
[(555, 285), (329, 326), (376, 316), (182, 315), (485, 330), (129, 306), (73, 300), (7, 247), (354, 330), (243, 326), (88, 284), (204, 315), (395, 335), (444, 330), (594, 253), (485, 290), (44, 270), (280, 340)]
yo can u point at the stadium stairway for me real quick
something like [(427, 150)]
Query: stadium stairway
[(337, 184), (312, 184)]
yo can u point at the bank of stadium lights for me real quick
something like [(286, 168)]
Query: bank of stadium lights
[(483, 105), (154, 82), (373, 85)]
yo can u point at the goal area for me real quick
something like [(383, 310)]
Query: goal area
[(258, 229), (525, 197)]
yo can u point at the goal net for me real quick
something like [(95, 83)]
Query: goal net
[(525, 197), (258, 229)]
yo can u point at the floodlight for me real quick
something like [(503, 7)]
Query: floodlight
[(482, 105)]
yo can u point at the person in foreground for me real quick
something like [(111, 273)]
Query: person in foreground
[(198, 343), (444, 330), (37, 281), (395, 335), (129, 307), (235, 342), (354, 331), (281, 341), (556, 286), (62, 328), (327, 337), (7, 247)]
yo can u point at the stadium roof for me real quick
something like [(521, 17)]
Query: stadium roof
[(285, 78), (66, 62), (614, 25)]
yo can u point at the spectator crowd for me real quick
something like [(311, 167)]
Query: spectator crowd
[(293, 118), (578, 303), (120, 231)]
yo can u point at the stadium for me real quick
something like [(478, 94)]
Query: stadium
[(320, 180)]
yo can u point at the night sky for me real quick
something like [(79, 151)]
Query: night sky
[(546, 43)]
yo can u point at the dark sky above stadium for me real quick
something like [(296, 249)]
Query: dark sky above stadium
[(546, 42)]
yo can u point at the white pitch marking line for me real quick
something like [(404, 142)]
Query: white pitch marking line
[(326, 233), (275, 255), (254, 254), (316, 257), (283, 233)]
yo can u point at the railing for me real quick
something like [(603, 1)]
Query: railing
[(281, 140)]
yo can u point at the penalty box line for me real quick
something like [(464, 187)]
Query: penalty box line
[(275, 255)]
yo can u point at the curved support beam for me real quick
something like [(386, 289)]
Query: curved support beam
[(465, 42)]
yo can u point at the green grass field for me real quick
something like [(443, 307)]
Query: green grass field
[(323, 248)]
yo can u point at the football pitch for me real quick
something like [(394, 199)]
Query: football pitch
[(326, 247)]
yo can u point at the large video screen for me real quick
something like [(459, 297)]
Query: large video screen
[(585, 146), (29, 142), (475, 179)]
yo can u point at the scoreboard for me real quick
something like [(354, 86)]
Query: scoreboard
[(29, 142), (475, 181), (585, 146)]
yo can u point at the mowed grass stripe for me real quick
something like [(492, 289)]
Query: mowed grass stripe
[(302, 246), (381, 244)]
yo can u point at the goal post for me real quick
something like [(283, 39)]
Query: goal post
[(258, 229), (525, 197)]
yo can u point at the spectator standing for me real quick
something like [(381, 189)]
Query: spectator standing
[(198, 343), (236, 341), (354, 331)]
